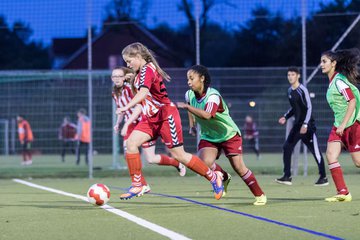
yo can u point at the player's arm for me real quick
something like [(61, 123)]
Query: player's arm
[(308, 106), (192, 124), (289, 113), (210, 110), (139, 96), (347, 93), (134, 116), (119, 119), (282, 120), (350, 110)]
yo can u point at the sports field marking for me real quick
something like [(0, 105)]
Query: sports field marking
[(151, 226), (320, 234)]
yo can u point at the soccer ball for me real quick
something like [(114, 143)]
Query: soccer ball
[(98, 194)]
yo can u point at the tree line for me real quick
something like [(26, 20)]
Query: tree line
[(266, 39)]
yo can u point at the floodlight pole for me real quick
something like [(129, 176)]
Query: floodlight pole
[(197, 31), (304, 68), (197, 45), (89, 53)]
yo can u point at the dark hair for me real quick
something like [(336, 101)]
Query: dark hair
[(293, 69), (202, 71), (117, 90), (346, 63), (82, 111)]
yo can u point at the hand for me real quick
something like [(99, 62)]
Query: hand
[(193, 131), (340, 130), (124, 130), (116, 128), (121, 110), (303, 130), (181, 105), (282, 120), (129, 77)]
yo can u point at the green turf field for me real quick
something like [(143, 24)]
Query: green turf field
[(183, 205)]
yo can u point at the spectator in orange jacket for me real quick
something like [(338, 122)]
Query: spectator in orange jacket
[(83, 135), (26, 137)]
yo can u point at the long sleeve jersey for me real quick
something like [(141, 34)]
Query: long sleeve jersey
[(301, 107)]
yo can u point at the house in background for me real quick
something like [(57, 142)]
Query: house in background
[(71, 53), (63, 49)]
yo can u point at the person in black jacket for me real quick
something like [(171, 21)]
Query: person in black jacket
[(304, 128)]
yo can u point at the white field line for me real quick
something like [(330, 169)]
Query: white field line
[(151, 226)]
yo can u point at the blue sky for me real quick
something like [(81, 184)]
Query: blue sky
[(67, 18)]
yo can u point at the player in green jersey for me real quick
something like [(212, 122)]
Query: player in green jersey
[(218, 130), (344, 99)]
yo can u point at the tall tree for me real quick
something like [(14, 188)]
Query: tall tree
[(267, 40), (126, 10), (328, 24), (18, 51), (204, 8)]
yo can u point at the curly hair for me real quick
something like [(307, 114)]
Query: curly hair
[(347, 61), (202, 71)]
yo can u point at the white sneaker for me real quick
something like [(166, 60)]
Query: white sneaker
[(147, 188), (181, 169)]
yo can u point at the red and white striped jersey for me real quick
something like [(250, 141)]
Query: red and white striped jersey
[(157, 97), (123, 100)]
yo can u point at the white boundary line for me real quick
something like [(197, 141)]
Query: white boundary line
[(151, 226)]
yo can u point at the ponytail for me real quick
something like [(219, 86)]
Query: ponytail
[(138, 48)]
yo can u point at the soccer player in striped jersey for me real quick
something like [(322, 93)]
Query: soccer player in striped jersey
[(344, 99), (122, 95), (160, 118), (303, 129), (218, 130)]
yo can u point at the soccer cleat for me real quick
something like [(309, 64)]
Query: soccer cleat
[(260, 200), (226, 184), (322, 181), (284, 180), (340, 198), (134, 192), (147, 189), (217, 185), (181, 169)]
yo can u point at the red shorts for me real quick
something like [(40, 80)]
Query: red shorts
[(350, 139), (233, 146), (167, 125), (131, 128)]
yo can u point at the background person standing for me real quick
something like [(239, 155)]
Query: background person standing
[(83, 135), (26, 137), (304, 128), (252, 135), (67, 135)]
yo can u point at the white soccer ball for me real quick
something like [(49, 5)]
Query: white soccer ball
[(98, 194)]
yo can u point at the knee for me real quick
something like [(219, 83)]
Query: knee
[(149, 158), (176, 156), (357, 163), (181, 156), (131, 145), (286, 146), (330, 156)]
